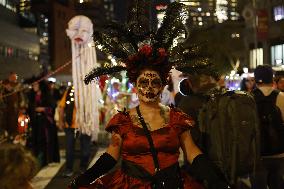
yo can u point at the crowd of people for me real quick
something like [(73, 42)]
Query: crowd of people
[(149, 130), (193, 95), (27, 116), (39, 104)]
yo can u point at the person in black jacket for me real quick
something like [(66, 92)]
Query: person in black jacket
[(43, 141), (270, 105)]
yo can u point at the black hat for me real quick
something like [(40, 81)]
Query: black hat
[(263, 74)]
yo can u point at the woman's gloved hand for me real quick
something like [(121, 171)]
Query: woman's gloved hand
[(78, 183), (105, 163), (205, 170)]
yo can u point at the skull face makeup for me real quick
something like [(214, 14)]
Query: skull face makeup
[(149, 85)]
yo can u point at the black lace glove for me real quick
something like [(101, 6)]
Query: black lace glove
[(105, 163)]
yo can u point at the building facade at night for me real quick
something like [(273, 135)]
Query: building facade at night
[(19, 45), (262, 33), (268, 44), (33, 31), (276, 34), (210, 12), (222, 18), (52, 19), (34, 37), (57, 14)]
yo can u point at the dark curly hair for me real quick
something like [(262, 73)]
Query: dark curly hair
[(148, 59)]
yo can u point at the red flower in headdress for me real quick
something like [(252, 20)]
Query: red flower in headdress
[(162, 52), (146, 50), (161, 56)]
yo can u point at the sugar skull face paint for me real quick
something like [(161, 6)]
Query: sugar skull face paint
[(149, 85)]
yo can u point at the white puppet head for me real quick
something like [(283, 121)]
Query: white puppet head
[(80, 29)]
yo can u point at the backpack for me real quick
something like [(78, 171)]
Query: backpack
[(230, 135), (271, 124)]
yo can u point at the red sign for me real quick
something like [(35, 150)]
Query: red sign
[(262, 24)]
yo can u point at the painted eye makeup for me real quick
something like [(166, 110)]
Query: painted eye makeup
[(156, 83), (143, 82)]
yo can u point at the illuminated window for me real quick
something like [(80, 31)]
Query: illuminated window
[(222, 10), (8, 4), (277, 55), (256, 57), (278, 13), (235, 35), (19, 53), (234, 18), (10, 51), (187, 2), (3, 2)]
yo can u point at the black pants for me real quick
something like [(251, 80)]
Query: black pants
[(270, 173), (85, 149)]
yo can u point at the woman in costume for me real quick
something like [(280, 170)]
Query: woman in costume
[(147, 138), (43, 141)]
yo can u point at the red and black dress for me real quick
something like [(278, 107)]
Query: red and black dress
[(136, 150)]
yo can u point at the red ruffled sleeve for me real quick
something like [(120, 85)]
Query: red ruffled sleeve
[(181, 121), (118, 123)]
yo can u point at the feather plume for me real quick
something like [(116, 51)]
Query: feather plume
[(138, 18), (173, 24), (96, 72)]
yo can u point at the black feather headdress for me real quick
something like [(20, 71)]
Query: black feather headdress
[(134, 46)]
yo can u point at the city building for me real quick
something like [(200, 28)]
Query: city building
[(19, 46), (210, 12), (265, 37), (33, 33), (52, 19), (56, 15), (276, 34), (221, 20)]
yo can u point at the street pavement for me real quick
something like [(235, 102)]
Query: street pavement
[(50, 177)]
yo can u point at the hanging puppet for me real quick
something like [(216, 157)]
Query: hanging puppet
[(80, 31)]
